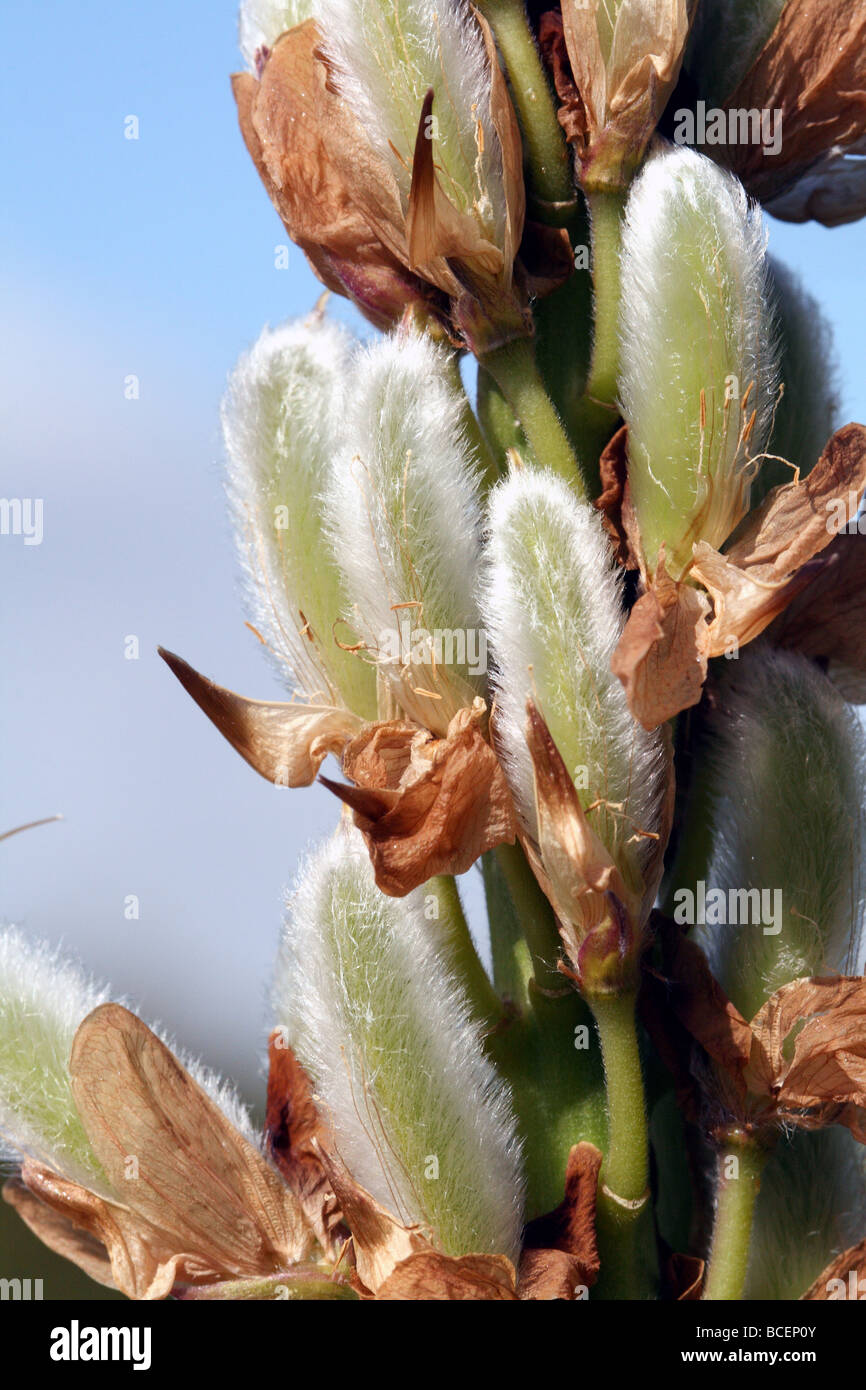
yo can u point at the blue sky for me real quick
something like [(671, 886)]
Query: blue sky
[(155, 257)]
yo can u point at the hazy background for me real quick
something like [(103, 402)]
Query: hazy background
[(155, 257)]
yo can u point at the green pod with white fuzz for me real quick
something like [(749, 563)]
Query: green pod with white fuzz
[(698, 358), (404, 521), (552, 602), (282, 420), (784, 894), (365, 993)]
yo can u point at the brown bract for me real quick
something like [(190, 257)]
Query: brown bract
[(426, 806), (662, 655), (813, 70), (800, 1062), (595, 910), (396, 1262), (294, 1133), (611, 103), (285, 742), (560, 1250), (825, 621), (191, 1199), (319, 171), (341, 203)]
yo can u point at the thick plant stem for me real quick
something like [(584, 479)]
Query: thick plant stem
[(562, 318), (490, 470), (625, 1232), (597, 413), (464, 955), (513, 368), (548, 166), (536, 918), (501, 429), (512, 963), (740, 1165), (606, 212)]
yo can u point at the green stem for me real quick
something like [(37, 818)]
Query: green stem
[(595, 417), (491, 472), (536, 918), (513, 368), (512, 963), (606, 212), (464, 955), (548, 166), (501, 430), (625, 1231), (739, 1183)]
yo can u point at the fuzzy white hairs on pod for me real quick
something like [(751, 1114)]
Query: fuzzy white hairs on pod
[(404, 510), (282, 417), (386, 57), (43, 999), (694, 318), (788, 762), (552, 602), (261, 22), (364, 993)]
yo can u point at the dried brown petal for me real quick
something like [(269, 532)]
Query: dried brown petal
[(434, 226), (614, 503), (849, 1269), (662, 655), (380, 1242), (568, 1230), (295, 1134), (285, 742), (828, 1067), (426, 806), (615, 105), (144, 1262), (81, 1247), (813, 70), (758, 576), (434, 1277), (337, 198), (825, 621), (832, 190), (576, 870), (194, 1176)]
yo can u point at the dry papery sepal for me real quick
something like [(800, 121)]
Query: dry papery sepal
[(598, 633)]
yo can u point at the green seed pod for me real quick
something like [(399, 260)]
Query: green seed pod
[(811, 1205), (364, 993), (784, 895), (698, 366), (282, 418)]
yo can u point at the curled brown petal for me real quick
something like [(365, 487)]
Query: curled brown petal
[(286, 743), (426, 806)]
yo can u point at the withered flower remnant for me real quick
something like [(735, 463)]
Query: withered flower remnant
[(619, 65)]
